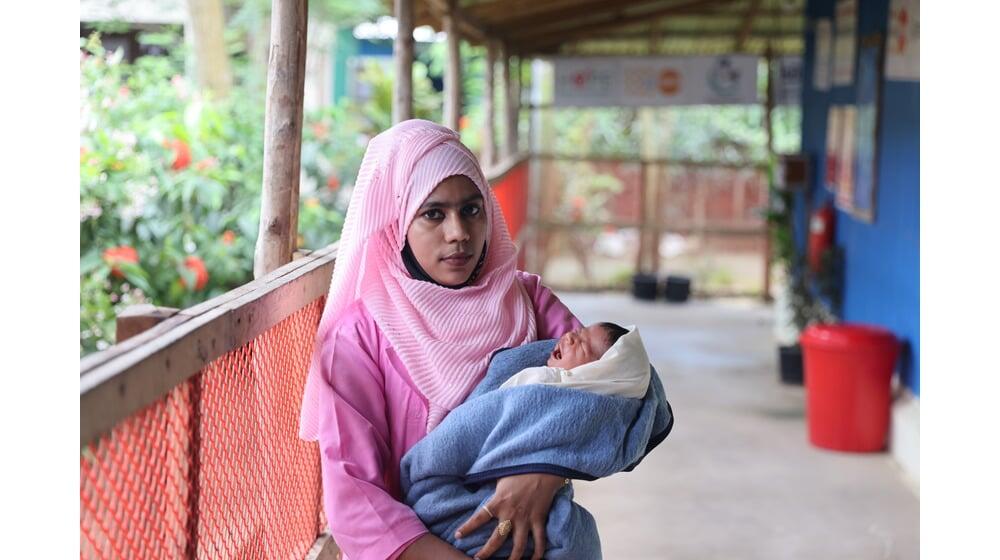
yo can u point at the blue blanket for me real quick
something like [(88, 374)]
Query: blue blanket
[(529, 429)]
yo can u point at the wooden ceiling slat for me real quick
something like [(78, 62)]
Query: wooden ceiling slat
[(585, 8), (469, 27), (497, 11), (688, 35), (534, 39)]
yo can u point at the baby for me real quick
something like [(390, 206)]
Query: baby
[(602, 358)]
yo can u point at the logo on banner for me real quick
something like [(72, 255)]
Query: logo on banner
[(724, 78), (670, 81), (589, 81)]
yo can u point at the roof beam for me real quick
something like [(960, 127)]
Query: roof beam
[(538, 38), (469, 27), (747, 25)]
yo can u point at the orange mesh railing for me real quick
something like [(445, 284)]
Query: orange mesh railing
[(214, 469)]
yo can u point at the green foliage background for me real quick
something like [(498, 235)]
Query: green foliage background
[(132, 194)]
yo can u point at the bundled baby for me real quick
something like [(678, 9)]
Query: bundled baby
[(498, 433), (603, 358)]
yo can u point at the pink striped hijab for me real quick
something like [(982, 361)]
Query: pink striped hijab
[(443, 336)]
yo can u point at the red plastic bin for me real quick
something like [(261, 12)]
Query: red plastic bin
[(848, 378)]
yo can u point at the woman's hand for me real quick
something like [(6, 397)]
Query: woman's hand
[(524, 500)]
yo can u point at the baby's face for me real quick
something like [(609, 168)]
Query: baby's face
[(578, 347)]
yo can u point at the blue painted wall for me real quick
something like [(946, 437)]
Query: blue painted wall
[(882, 259)]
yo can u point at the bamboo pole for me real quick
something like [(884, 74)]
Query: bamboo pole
[(402, 53), (279, 206), (488, 154), (453, 70)]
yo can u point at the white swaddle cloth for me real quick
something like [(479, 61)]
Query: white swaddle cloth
[(623, 371)]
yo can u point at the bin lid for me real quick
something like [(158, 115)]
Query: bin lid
[(846, 335)]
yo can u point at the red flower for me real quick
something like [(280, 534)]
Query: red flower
[(197, 266), (121, 254), (182, 153), (332, 183), (228, 237), (463, 122)]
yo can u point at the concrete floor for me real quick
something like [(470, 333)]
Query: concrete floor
[(737, 478)]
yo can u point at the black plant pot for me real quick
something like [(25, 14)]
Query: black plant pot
[(790, 364), (644, 286), (677, 288)]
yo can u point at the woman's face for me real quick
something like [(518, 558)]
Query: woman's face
[(448, 231)]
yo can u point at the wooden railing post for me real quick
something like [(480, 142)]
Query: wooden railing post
[(279, 204), (137, 319)]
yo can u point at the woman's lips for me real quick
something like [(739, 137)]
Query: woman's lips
[(458, 260)]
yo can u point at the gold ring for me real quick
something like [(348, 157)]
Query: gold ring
[(489, 512), (504, 527)]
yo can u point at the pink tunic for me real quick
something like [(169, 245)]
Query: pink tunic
[(372, 415)]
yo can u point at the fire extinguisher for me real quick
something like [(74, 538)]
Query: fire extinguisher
[(820, 236)]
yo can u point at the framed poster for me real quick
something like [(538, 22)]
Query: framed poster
[(870, 65), (846, 157), (833, 123), (902, 57), (824, 49), (844, 41)]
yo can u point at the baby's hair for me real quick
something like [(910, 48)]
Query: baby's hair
[(614, 332)]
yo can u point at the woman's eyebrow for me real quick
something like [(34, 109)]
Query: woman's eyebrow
[(434, 204)]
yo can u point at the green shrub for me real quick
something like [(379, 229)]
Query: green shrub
[(171, 179)]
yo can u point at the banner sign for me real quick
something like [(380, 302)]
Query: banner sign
[(787, 80), (654, 80)]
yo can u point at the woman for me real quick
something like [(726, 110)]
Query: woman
[(423, 292)]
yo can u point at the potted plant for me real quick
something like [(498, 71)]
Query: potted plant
[(795, 305)]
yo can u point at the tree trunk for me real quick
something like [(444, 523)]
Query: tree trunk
[(279, 205), (211, 60)]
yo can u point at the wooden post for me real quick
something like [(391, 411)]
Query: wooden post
[(768, 128), (137, 319), (505, 101), (513, 67), (488, 153), (643, 222), (402, 53), (279, 204), (452, 70)]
